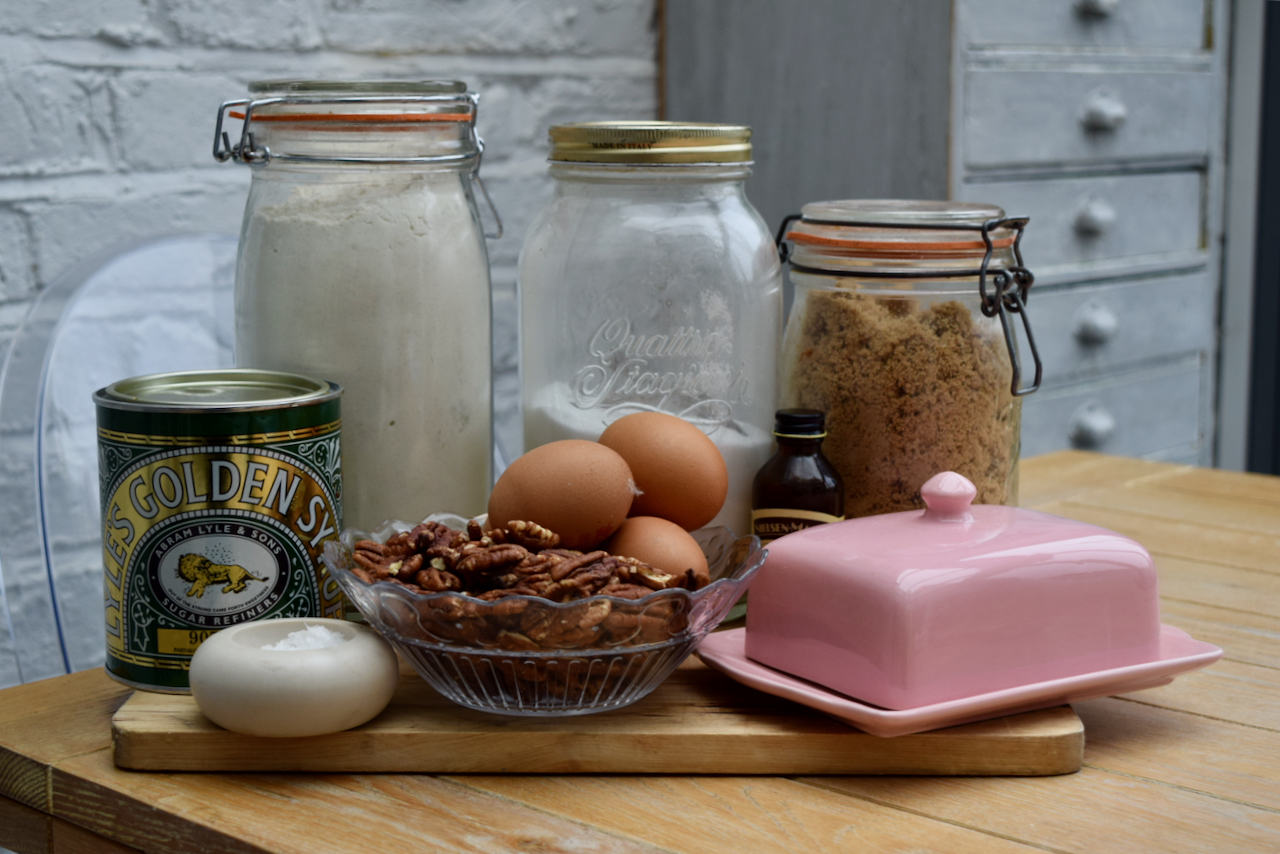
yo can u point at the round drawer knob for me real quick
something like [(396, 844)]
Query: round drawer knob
[(1103, 112), (1095, 324), (1095, 218), (1096, 8), (1091, 426)]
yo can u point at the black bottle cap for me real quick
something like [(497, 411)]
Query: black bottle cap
[(799, 422)]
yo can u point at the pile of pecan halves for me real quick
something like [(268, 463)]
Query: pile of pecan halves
[(486, 568)]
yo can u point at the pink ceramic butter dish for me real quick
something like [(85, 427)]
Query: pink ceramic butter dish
[(1179, 653), (913, 609)]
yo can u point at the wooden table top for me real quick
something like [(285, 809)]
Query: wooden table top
[(1193, 766)]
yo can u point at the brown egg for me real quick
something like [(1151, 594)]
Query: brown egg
[(580, 490), (678, 469), (664, 544)]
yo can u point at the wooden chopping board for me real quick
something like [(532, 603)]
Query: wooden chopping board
[(697, 722)]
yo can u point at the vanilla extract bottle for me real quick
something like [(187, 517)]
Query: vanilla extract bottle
[(798, 487)]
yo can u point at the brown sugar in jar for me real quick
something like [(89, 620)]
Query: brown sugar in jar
[(894, 346)]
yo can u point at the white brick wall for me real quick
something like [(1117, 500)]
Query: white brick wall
[(107, 110)]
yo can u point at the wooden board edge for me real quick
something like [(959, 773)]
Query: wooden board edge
[(1052, 745), (131, 824), (24, 780)]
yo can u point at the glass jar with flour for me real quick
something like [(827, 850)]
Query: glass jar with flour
[(650, 283), (362, 261)]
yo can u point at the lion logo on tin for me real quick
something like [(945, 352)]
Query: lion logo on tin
[(202, 572)]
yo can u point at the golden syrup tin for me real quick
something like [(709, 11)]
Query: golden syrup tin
[(219, 489)]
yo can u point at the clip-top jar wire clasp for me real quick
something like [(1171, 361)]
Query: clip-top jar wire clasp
[(223, 150), (1006, 293)]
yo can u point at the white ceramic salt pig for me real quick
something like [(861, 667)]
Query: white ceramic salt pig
[(244, 687)]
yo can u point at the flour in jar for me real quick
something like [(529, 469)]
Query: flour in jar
[(380, 285)]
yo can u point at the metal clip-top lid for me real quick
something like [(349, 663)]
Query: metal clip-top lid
[(922, 240), (383, 123), (351, 122)]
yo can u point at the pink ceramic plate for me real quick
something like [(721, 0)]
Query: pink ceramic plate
[(1179, 653)]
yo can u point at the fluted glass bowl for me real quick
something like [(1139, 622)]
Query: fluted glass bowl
[(525, 655)]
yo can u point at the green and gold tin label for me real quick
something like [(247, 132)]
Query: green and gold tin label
[(198, 537)]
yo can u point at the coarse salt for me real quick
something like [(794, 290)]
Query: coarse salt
[(312, 637)]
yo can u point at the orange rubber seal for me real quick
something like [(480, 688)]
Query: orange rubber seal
[(358, 117), (883, 247)]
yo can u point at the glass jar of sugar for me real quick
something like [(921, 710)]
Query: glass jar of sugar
[(905, 330), (362, 261), (650, 283)]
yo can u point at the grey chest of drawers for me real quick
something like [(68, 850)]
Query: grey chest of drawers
[(1102, 120)]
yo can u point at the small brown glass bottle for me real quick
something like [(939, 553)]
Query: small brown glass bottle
[(798, 487)]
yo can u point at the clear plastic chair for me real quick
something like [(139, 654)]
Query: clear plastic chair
[(159, 305)]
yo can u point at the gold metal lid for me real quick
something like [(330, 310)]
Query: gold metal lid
[(650, 142)]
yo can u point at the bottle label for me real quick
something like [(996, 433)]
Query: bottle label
[(769, 523)]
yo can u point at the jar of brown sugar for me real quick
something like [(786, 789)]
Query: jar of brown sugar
[(907, 329)]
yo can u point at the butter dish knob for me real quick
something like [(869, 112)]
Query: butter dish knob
[(947, 496)]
